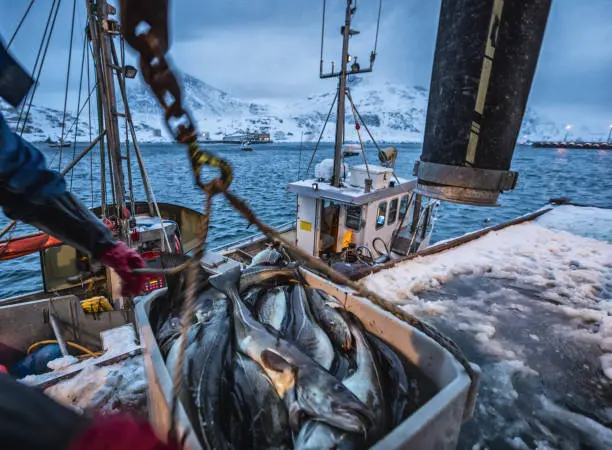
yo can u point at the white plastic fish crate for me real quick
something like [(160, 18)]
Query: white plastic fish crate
[(435, 425)]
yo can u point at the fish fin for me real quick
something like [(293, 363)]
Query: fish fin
[(227, 280), (295, 416), (275, 361)]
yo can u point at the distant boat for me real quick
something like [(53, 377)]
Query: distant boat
[(351, 150), (246, 147), (573, 145), (58, 144)]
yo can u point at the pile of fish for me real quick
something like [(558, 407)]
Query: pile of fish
[(273, 363)]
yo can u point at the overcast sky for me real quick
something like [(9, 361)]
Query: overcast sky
[(269, 49)]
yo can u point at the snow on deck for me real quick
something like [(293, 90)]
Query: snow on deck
[(106, 389), (531, 305)]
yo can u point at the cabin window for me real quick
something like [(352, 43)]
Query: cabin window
[(392, 211), (353, 217), (381, 214), (403, 207)]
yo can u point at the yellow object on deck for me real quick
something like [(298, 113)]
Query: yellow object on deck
[(347, 238), (96, 304), (85, 350)]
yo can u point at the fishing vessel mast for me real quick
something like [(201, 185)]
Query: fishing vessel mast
[(101, 28), (342, 75)]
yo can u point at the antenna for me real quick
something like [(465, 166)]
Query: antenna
[(355, 67)]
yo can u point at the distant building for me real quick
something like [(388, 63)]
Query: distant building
[(254, 137), (206, 135)]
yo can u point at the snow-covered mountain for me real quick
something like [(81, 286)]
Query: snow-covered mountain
[(393, 113), (45, 123)]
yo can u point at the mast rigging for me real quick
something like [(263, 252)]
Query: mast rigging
[(347, 33)]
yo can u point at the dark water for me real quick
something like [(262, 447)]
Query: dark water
[(261, 177)]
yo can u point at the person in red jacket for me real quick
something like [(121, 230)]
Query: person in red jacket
[(30, 192)]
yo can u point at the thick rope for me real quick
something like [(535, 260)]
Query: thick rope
[(188, 311)]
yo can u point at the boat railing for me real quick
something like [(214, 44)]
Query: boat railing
[(253, 238)]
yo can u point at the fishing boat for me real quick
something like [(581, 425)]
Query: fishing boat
[(358, 216), (59, 144), (149, 226), (246, 146), (80, 300), (362, 220)]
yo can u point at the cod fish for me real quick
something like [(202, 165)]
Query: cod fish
[(326, 311), (315, 435), (404, 398), (365, 384), (254, 276), (304, 331), (251, 296), (267, 257), (207, 361), (260, 406), (272, 308), (304, 385)]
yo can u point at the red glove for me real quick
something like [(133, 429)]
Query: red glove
[(120, 433), (123, 259)]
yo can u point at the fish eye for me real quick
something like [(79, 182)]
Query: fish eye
[(338, 387)]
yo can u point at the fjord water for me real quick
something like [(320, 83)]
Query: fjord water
[(262, 175)]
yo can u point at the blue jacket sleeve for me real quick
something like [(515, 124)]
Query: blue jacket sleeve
[(23, 169), (36, 195)]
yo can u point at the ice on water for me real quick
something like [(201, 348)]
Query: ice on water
[(531, 304)]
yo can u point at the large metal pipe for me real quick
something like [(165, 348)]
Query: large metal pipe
[(485, 58)]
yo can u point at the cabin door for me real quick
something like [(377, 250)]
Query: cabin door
[(307, 226), (330, 223)]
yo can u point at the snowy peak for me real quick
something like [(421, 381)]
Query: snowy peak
[(393, 113)]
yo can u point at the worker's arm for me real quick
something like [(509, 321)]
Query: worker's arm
[(29, 420), (32, 193)]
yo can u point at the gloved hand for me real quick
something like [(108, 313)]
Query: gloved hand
[(120, 433), (123, 259)]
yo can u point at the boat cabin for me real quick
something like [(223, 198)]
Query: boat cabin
[(370, 206)]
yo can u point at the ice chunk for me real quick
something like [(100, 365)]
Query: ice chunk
[(105, 389), (63, 362)]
